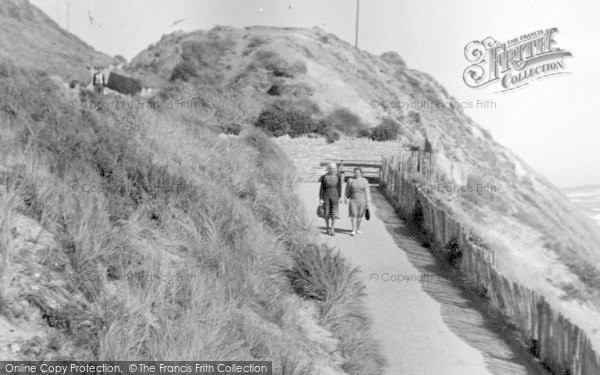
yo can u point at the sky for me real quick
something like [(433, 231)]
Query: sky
[(550, 123)]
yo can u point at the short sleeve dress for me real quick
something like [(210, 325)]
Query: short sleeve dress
[(356, 190), (330, 192)]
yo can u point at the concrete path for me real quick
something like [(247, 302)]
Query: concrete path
[(424, 322)]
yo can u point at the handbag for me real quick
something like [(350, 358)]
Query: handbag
[(367, 214), (321, 210)]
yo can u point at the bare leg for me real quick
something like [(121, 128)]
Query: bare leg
[(327, 225), (358, 220), (333, 227), (353, 220)]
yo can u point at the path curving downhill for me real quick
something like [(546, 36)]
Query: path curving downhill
[(424, 322)]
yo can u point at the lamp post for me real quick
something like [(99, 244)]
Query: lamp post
[(356, 33), (69, 16)]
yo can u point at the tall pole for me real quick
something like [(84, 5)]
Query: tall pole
[(57, 13), (356, 34)]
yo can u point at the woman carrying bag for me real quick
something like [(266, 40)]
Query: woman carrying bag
[(330, 195), (357, 190)]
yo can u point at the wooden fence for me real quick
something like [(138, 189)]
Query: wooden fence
[(562, 346)]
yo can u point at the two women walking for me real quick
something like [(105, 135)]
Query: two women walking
[(330, 195)]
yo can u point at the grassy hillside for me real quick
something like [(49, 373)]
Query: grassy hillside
[(158, 239), (31, 39), (251, 76)]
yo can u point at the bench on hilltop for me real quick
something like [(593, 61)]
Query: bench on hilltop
[(371, 167)]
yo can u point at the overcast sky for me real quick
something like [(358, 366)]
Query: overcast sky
[(551, 123)]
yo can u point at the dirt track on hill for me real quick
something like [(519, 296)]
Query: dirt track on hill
[(425, 324)]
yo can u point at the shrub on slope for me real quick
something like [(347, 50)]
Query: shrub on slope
[(346, 122), (276, 121), (387, 130)]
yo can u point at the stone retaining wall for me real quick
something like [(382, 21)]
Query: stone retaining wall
[(308, 153)]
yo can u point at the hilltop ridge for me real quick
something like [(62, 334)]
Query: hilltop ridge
[(32, 39)]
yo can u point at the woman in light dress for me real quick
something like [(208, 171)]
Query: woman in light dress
[(357, 191)]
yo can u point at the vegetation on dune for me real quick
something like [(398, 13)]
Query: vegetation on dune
[(132, 193), (387, 130), (288, 118), (345, 121), (331, 134), (199, 59), (284, 98), (276, 65), (394, 59)]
